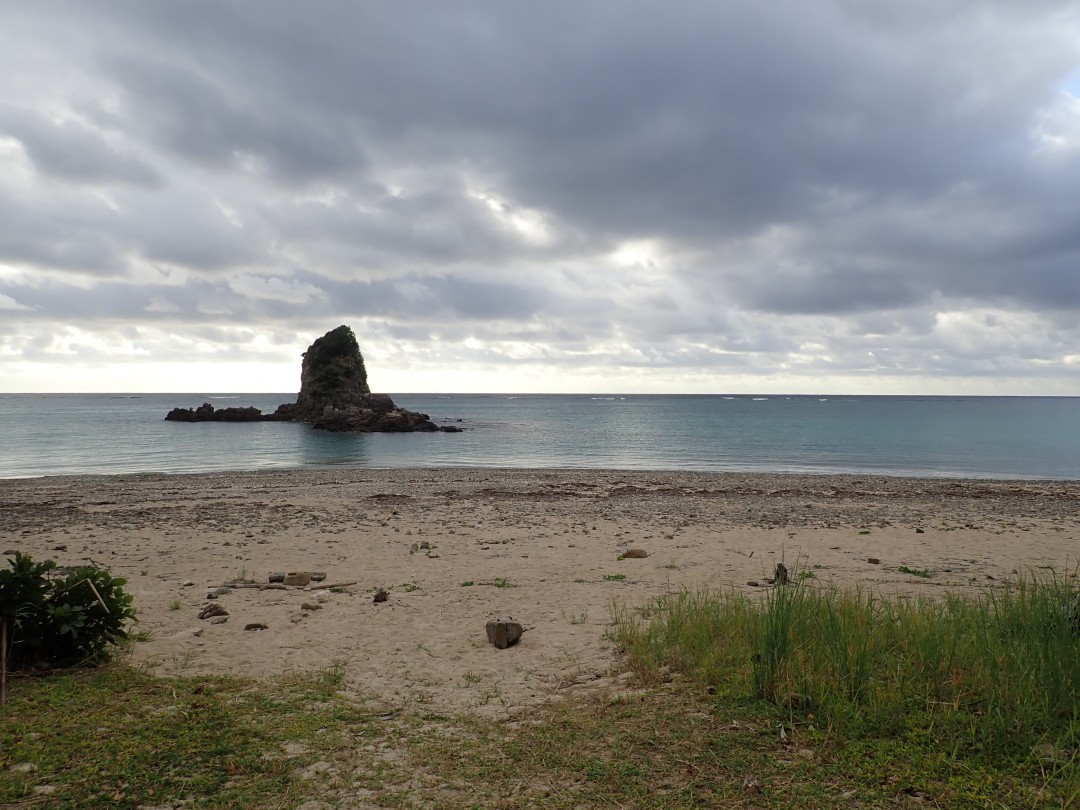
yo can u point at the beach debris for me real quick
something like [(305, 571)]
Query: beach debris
[(276, 576), (340, 586), (300, 578), (256, 626), (873, 560), (503, 631), (212, 610), (381, 595), (214, 593), (634, 554), (311, 606)]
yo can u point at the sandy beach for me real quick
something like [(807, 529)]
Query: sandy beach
[(457, 547)]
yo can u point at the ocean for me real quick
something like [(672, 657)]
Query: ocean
[(967, 437)]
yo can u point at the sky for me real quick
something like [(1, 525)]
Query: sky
[(693, 196)]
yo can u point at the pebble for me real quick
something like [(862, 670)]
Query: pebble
[(214, 593), (256, 626), (23, 767), (298, 578), (276, 576), (873, 560), (219, 620)]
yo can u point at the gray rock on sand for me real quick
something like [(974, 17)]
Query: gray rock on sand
[(503, 631)]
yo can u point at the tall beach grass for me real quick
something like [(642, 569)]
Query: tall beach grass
[(990, 676)]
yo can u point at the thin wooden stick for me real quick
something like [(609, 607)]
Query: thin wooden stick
[(3, 661)]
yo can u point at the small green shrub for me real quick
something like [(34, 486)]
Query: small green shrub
[(915, 572), (62, 620)]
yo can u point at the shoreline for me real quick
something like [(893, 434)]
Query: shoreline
[(539, 545)]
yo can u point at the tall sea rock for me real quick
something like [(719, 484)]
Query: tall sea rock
[(334, 392), (334, 395), (332, 377)]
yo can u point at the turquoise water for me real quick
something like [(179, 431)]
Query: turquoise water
[(995, 437)]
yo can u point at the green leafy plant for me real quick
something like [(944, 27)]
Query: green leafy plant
[(63, 620)]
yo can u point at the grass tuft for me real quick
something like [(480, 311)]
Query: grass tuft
[(962, 686)]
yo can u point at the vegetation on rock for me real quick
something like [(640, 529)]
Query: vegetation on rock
[(333, 368)]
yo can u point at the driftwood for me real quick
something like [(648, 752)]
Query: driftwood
[(261, 586), (277, 586)]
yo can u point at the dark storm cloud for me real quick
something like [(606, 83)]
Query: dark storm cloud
[(637, 181), (73, 151)]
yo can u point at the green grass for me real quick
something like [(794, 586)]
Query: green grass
[(972, 698), (117, 736), (614, 577)]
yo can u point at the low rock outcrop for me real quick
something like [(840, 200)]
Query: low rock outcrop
[(207, 413), (334, 395)]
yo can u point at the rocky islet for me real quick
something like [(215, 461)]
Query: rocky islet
[(334, 395)]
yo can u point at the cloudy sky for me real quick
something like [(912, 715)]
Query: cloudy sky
[(691, 196)]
